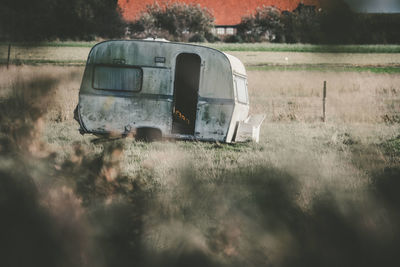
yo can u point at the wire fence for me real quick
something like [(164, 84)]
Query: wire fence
[(311, 109)]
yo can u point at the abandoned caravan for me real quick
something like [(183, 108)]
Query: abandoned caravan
[(164, 89)]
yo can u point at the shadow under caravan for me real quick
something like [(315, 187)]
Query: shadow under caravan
[(186, 89)]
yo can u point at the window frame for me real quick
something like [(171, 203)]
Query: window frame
[(235, 77), (220, 30), (120, 67), (230, 31)]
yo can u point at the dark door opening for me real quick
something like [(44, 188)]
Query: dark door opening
[(186, 88)]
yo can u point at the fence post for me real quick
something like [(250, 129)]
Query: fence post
[(324, 103), (8, 57)]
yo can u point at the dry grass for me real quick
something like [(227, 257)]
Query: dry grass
[(66, 91), (32, 54), (351, 97), (283, 96), (303, 190), (292, 138)]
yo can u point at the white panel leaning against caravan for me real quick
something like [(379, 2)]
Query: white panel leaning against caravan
[(166, 89)]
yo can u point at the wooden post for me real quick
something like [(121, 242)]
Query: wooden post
[(324, 103), (8, 57)]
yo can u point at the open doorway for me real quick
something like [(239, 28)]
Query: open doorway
[(186, 88)]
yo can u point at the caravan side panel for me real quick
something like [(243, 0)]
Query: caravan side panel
[(108, 114)]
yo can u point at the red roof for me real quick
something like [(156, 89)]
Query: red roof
[(226, 12)]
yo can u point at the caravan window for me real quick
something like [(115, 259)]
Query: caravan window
[(117, 78), (241, 89)]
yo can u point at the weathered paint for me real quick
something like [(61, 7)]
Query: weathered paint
[(104, 111), (213, 120), (122, 114)]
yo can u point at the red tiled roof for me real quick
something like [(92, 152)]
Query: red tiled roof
[(226, 12)]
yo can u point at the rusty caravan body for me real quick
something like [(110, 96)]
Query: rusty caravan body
[(178, 90)]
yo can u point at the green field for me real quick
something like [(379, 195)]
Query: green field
[(265, 47), (326, 68), (309, 193), (256, 47)]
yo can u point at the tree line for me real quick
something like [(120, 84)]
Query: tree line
[(175, 22), (334, 23), (35, 20)]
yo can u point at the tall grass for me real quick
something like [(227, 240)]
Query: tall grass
[(33, 55), (351, 97), (309, 194)]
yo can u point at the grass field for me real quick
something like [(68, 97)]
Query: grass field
[(383, 59), (309, 194), (260, 47), (265, 47)]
